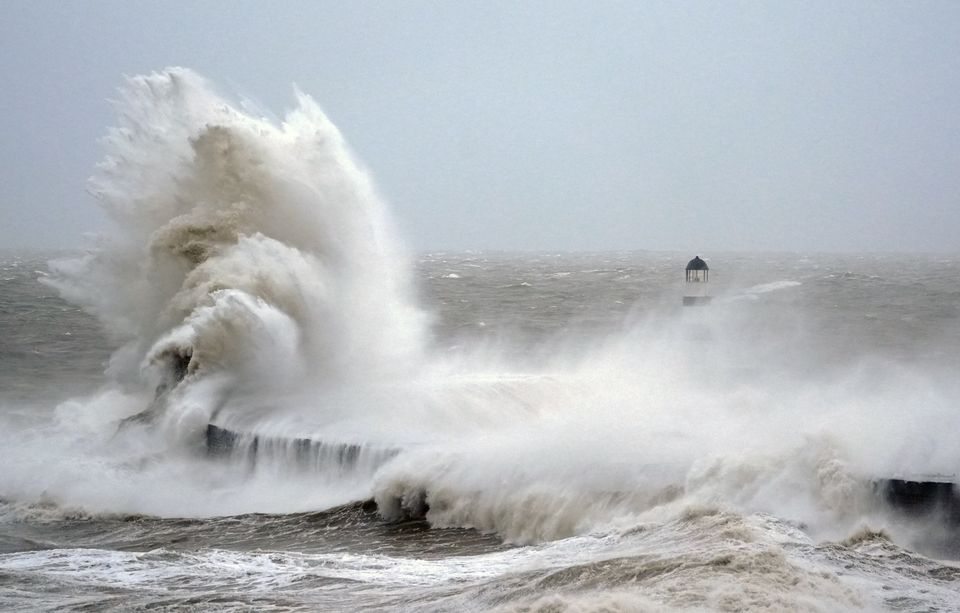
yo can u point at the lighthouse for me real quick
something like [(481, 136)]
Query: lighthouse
[(695, 288)]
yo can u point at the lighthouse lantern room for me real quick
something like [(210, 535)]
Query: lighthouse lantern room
[(695, 288)]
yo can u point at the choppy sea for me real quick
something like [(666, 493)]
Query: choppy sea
[(617, 451)]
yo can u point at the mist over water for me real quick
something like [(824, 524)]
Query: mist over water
[(571, 435)]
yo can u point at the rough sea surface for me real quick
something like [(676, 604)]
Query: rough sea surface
[(731, 532)]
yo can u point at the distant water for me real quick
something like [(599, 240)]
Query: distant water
[(450, 431)]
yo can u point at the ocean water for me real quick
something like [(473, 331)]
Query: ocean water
[(448, 431)]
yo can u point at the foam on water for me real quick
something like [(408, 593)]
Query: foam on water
[(706, 560)]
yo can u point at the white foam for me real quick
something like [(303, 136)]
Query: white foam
[(765, 288)]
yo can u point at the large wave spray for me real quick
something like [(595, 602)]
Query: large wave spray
[(242, 252)]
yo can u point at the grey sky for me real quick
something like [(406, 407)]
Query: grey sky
[(521, 125)]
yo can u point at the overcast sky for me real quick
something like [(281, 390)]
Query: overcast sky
[(695, 126)]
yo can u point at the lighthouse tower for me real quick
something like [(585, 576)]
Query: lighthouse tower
[(695, 288)]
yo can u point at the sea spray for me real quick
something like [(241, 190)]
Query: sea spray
[(656, 421), (242, 250)]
